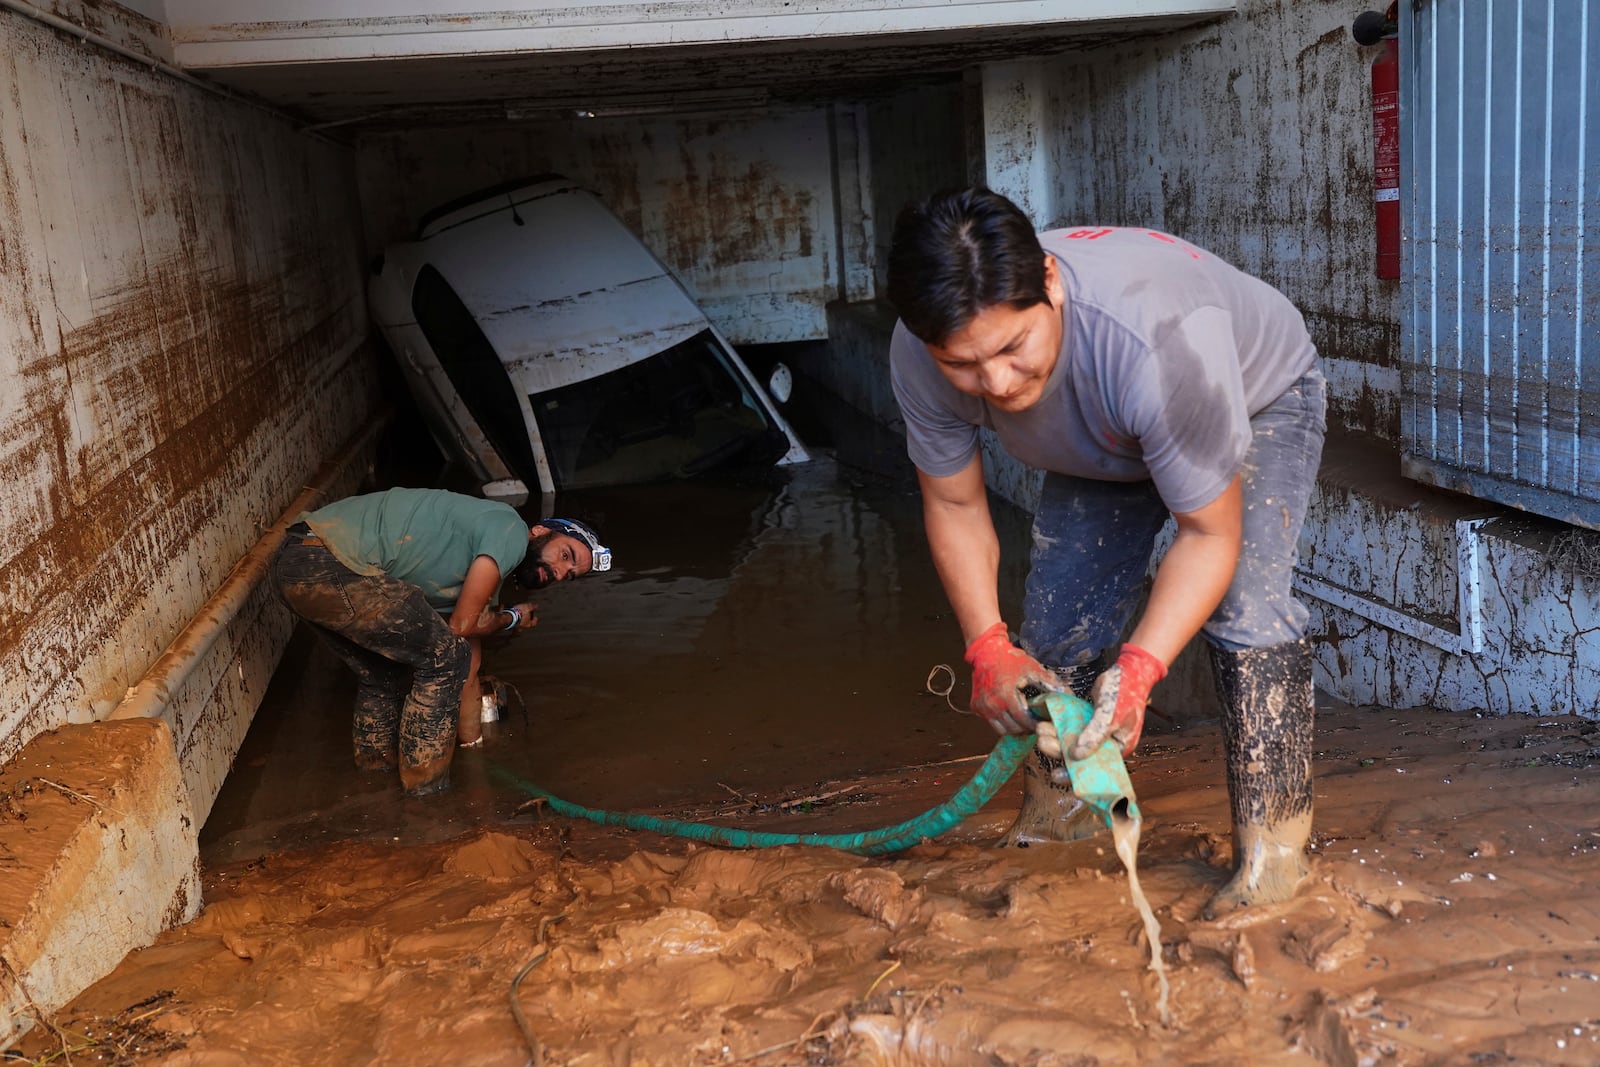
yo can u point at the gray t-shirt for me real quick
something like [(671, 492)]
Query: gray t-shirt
[(1166, 352)]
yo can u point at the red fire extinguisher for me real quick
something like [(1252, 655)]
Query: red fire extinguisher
[(1372, 28)]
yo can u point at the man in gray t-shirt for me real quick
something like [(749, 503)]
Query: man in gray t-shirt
[(1147, 379)]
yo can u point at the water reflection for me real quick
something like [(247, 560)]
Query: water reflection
[(790, 639)]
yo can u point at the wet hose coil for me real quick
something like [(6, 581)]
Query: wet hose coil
[(1100, 780), (1002, 763)]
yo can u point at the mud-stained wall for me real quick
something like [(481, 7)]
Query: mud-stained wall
[(740, 206), (138, 25), (1533, 589), (181, 345), (1251, 137)]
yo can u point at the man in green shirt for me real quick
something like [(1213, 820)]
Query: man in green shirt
[(402, 585)]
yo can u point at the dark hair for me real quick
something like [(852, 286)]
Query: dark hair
[(957, 253)]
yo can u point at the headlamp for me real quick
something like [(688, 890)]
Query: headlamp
[(600, 554)]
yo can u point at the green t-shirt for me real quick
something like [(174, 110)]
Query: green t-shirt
[(428, 537)]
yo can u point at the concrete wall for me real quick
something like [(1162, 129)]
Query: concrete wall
[(918, 145), (137, 25), (739, 205), (1428, 598), (182, 342)]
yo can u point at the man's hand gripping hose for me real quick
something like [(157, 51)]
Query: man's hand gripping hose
[(1119, 697), (1000, 673)]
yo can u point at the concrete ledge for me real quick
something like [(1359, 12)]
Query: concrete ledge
[(1415, 612), (98, 855)]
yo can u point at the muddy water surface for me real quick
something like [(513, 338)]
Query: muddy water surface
[(770, 676), (774, 633)]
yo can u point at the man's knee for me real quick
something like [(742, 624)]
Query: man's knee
[(451, 659), (1264, 624)]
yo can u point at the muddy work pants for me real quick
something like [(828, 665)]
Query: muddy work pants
[(1092, 543), (409, 666)]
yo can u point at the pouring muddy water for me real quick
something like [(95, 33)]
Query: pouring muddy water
[(1101, 781)]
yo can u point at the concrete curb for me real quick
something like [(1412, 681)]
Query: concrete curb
[(100, 854)]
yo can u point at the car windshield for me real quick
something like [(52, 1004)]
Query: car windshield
[(679, 413)]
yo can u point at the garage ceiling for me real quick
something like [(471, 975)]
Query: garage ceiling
[(420, 76)]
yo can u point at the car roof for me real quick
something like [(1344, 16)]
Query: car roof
[(546, 268), (496, 197)]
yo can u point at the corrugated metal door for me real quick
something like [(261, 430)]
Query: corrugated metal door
[(1500, 127)]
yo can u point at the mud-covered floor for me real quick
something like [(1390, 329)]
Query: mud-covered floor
[(1451, 919), (758, 659)]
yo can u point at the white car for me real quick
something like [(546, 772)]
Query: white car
[(548, 348)]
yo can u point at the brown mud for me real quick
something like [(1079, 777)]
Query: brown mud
[(757, 659), (1450, 918)]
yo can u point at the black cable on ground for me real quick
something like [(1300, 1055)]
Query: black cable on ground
[(534, 1052)]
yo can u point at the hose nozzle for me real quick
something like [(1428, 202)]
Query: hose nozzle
[(1099, 779)]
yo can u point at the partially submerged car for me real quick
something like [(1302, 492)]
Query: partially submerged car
[(549, 349)]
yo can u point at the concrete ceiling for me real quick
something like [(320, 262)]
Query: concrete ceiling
[(370, 95)]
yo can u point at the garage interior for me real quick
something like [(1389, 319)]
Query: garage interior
[(193, 195)]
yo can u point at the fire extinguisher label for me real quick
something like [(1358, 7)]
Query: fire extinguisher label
[(1386, 158), (1386, 137)]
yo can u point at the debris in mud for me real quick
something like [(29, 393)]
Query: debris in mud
[(1579, 742), (10, 808), (143, 1030), (1575, 551), (817, 800), (1575, 760)]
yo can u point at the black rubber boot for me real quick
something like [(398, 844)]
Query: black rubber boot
[(1267, 721), (1050, 810)]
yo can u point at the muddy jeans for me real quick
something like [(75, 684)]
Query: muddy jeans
[(1092, 542), (409, 667)]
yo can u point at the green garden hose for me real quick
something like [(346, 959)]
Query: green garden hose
[(1003, 761), (1101, 780)]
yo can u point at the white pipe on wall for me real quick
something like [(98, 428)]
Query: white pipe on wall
[(150, 697)]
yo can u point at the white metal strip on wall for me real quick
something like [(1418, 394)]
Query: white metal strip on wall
[(1465, 639)]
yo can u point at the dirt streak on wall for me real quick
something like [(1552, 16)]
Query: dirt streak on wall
[(917, 146), (181, 345)]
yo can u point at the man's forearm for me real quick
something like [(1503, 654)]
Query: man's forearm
[(489, 621), (966, 553), (1189, 584), (1194, 576)]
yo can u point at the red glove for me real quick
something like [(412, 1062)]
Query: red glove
[(999, 670), (1119, 696)]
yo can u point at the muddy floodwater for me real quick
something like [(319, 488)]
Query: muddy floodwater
[(757, 658), (774, 631)]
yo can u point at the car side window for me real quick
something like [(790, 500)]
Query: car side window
[(473, 366)]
